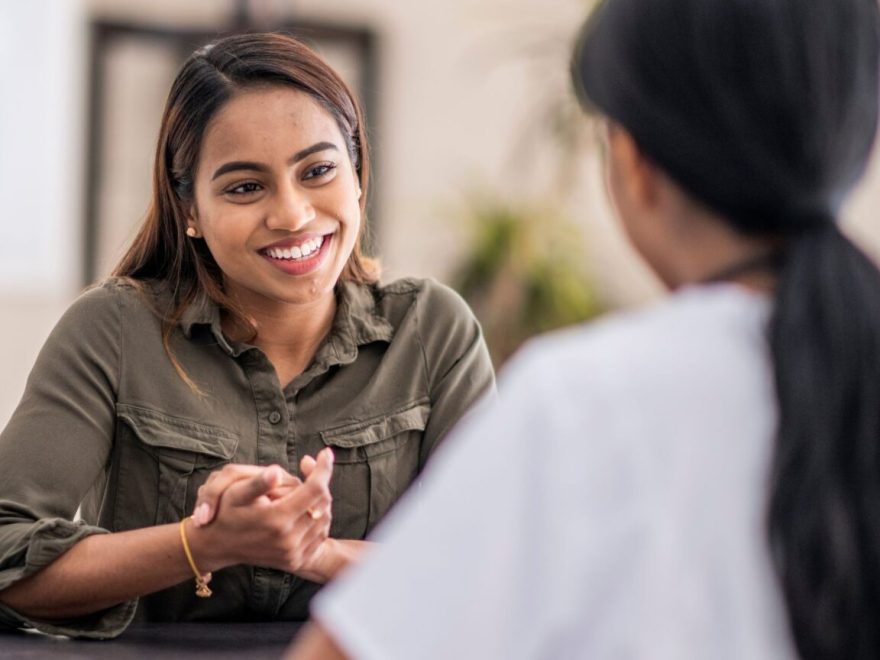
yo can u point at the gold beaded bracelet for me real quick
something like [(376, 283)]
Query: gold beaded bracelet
[(202, 589)]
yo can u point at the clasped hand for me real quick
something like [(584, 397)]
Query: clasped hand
[(267, 517)]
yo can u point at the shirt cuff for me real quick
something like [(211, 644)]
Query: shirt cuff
[(47, 540)]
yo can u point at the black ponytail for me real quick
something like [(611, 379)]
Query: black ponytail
[(765, 111), (824, 514)]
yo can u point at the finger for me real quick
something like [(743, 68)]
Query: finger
[(307, 464), (246, 491), (326, 454), (315, 488), (313, 493), (323, 468), (209, 494), (284, 488), (321, 509)]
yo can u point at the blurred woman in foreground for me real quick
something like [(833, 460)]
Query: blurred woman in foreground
[(700, 479)]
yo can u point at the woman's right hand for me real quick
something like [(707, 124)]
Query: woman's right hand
[(264, 516)]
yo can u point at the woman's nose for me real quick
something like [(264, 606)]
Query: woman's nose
[(292, 209)]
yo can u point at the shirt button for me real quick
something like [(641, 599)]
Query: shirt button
[(274, 417)]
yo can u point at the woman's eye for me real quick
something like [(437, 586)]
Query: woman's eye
[(244, 188), (319, 170)]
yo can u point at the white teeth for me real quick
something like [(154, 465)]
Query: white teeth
[(301, 251)]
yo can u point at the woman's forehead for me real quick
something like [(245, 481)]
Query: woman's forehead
[(268, 119)]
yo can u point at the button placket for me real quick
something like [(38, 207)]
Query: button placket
[(290, 440), (268, 399), (269, 588)]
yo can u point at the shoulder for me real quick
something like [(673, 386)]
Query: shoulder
[(692, 340), (432, 301), (645, 394), (435, 318), (426, 291), (115, 291), (109, 306), (98, 302)]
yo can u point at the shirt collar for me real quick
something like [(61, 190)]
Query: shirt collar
[(202, 311), (357, 322)]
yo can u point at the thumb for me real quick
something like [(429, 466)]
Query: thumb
[(323, 468), (306, 465), (246, 491)]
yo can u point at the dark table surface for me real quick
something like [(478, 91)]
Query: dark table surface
[(159, 641)]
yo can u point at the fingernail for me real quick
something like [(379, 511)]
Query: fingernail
[(202, 514)]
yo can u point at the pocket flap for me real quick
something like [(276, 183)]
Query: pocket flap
[(157, 429), (376, 429)]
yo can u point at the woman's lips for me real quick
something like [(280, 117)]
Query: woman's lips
[(286, 260)]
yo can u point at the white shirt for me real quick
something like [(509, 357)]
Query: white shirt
[(610, 505)]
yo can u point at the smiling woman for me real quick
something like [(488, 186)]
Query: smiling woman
[(274, 181), (242, 354)]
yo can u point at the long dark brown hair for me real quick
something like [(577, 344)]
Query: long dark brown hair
[(209, 79), (765, 110)]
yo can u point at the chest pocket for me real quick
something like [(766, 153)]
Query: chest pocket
[(170, 458), (376, 461)]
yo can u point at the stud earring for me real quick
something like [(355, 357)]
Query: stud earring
[(191, 232)]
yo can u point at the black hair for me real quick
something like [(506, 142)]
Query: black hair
[(766, 111)]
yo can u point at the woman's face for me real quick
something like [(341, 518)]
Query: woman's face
[(276, 197)]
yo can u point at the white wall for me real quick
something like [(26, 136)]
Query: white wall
[(41, 121)]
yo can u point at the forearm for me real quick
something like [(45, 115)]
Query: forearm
[(102, 571)]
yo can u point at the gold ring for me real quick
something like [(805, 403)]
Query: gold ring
[(314, 515)]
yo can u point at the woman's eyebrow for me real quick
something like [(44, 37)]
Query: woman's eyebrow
[(236, 165), (308, 151)]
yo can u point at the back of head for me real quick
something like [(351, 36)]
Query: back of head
[(765, 111)]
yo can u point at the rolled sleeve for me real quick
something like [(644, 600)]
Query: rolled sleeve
[(28, 548)]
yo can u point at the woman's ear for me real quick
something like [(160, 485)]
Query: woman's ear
[(192, 224), (634, 177)]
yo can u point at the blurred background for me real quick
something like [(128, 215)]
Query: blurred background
[(487, 176)]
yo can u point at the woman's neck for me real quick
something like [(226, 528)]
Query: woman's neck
[(705, 248), (288, 334)]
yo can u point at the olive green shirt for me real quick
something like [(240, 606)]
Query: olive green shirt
[(108, 425)]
